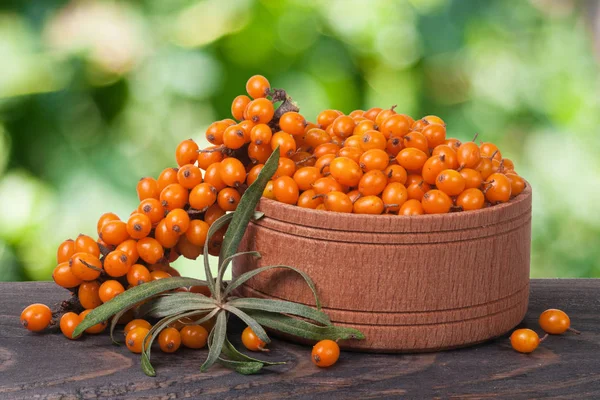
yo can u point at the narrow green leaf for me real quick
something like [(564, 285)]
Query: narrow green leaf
[(303, 329), (113, 324), (218, 334), (240, 280), (230, 351), (255, 326), (174, 303), (131, 297), (246, 206), (218, 224), (281, 306), (242, 367), (223, 266)]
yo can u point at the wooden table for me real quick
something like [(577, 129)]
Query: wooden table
[(48, 366)]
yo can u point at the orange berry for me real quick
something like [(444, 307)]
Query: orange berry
[(129, 247), (372, 183), (117, 263), (189, 176), (253, 173), (261, 134), (472, 178), (139, 226), (197, 232), (292, 123), (555, 322), (396, 125), (177, 221), (166, 178), (109, 289), (64, 277), (234, 137), (251, 341), (448, 154), (114, 232), (524, 340), (468, 155), (213, 213), (490, 150), (156, 275), (258, 86), (153, 209), (285, 167), (68, 323), (396, 173), (194, 336), (411, 207), (94, 329), (286, 143), (238, 106), (373, 140), (259, 154), (498, 189), (326, 185), (228, 199), (138, 274), (306, 176), (186, 152), (372, 113), (150, 250), (174, 196), (65, 251), (147, 188), (416, 140), (88, 295), (307, 200), (411, 159), (214, 133), (343, 126), (188, 250), (207, 157), (374, 159), (169, 340), (450, 182), (136, 323), (285, 190), (337, 202), (326, 118), (471, 199), (85, 244), (203, 196), (433, 119), (85, 266), (135, 339), (345, 171), (436, 202), (104, 219), (394, 193), (368, 205), (435, 135), (517, 184), (232, 172), (325, 353), (260, 111), (36, 317)]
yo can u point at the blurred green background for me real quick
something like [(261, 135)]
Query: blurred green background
[(96, 94)]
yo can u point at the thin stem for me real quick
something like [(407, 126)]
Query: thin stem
[(544, 338), (575, 331)]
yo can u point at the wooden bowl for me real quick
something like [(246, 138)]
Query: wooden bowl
[(410, 284)]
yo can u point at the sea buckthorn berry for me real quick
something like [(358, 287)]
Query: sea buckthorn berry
[(396, 125), (374, 159), (436, 202), (362, 127), (448, 154), (189, 176), (357, 113), (316, 137), (260, 111), (352, 153), (307, 199), (434, 119), (435, 135), (253, 173), (167, 177), (394, 146), (233, 137), (498, 188), (68, 323), (88, 295), (214, 133), (490, 150), (285, 167), (303, 159), (174, 196), (213, 213), (114, 232), (228, 199), (453, 143), (472, 178), (258, 86), (156, 275), (194, 336), (416, 140), (135, 339), (372, 183), (203, 196), (285, 190), (525, 340), (94, 329), (208, 156), (147, 188), (373, 140), (323, 162), (65, 251), (150, 250), (292, 123), (306, 176), (468, 155), (129, 247), (413, 178), (246, 127), (384, 115), (345, 171), (251, 341), (517, 184), (178, 221), (325, 353), (471, 199), (117, 263), (326, 118), (396, 173), (232, 172), (85, 244), (556, 322), (259, 154), (238, 106), (417, 190), (136, 323), (369, 205), (485, 167), (450, 182), (261, 134), (326, 184), (337, 202), (139, 226), (85, 266), (326, 148), (286, 143), (64, 276), (107, 217), (393, 196), (411, 207), (186, 153), (169, 340), (343, 126), (419, 125), (137, 275), (197, 232), (372, 113), (411, 159), (152, 209), (36, 317)]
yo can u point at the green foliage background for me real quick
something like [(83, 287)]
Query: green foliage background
[(96, 94)]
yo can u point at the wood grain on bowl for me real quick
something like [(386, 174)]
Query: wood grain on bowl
[(411, 284)]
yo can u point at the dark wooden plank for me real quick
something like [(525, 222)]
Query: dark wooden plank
[(51, 367)]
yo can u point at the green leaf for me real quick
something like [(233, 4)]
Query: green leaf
[(113, 324), (240, 280), (218, 335), (303, 329), (174, 303), (242, 367), (223, 266), (255, 326), (245, 210), (218, 224), (230, 351), (131, 297), (281, 306)]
